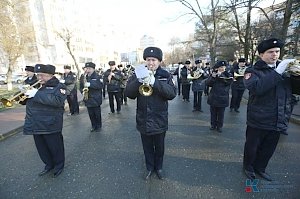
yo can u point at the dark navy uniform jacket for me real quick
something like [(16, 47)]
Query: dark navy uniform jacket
[(219, 93), (95, 90), (44, 112), (70, 82), (31, 80), (152, 111), (270, 98), (115, 83), (198, 84)]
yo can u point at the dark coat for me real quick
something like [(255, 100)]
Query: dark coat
[(270, 98), (44, 112), (219, 93), (115, 83), (183, 75), (70, 82), (31, 81), (152, 111), (95, 90)]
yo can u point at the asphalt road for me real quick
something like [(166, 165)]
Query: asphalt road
[(199, 163)]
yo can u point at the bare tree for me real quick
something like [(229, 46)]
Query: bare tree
[(14, 33), (66, 35), (207, 23)]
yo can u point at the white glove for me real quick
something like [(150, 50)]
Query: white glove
[(22, 88), (152, 80), (87, 84), (283, 65), (31, 93), (140, 80), (62, 81)]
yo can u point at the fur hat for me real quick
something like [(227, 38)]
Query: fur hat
[(90, 65), (268, 44), (41, 68), (67, 67), (219, 64), (29, 68), (198, 61), (187, 62), (242, 60), (153, 52), (111, 63)]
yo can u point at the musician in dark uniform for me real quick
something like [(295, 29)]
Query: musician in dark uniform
[(186, 85), (237, 86), (207, 72), (31, 77), (218, 98), (91, 81), (70, 79), (177, 73), (44, 119), (269, 107), (152, 111), (113, 78), (198, 85)]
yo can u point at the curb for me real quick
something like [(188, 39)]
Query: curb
[(11, 133)]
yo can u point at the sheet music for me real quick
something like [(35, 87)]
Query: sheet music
[(141, 71)]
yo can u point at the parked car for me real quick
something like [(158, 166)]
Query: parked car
[(18, 78), (3, 79)]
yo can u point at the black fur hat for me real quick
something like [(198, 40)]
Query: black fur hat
[(29, 68), (41, 68), (269, 43), (153, 52)]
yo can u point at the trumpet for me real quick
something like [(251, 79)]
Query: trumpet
[(145, 89), (20, 96)]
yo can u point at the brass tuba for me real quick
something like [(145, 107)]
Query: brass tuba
[(241, 72), (145, 89), (195, 74), (20, 97)]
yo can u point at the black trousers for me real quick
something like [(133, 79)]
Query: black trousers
[(123, 96), (51, 150), (236, 98), (197, 100), (206, 90), (186, 91), (73, 102), (178, 86), (259, 147), (217, 116), (117, 96), (95, 116), (154, 150)]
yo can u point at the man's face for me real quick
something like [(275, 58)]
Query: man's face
[(270, 56), (242, 64), (89, 70), (113, 67), (29, 73), (44, 77), (152, 63), (67, 70)]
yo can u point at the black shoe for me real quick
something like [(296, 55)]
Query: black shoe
[(44, 172), (159, 174), (111, 112), (264, 175), (236, 110), (98, 129), (201, 111), (231, 109), (219, 130), (188, 100), (194, 110), (148, 175), (92, 130), (212, 128), (57, 173), (250, 175)]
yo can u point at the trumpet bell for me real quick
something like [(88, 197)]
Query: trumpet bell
[(6, 102), (145, 90)]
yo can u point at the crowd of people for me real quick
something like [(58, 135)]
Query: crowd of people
[(269, 106)]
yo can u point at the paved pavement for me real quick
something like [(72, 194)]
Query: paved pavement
[(199, 163)]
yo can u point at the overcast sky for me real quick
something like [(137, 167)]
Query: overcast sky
[(151, 17)]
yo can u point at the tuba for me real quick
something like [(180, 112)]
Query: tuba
[(18, 98), (195, 74)]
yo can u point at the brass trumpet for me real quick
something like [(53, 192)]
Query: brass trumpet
[(20, 96), (241, 72), (85, 90), (145, 89)]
